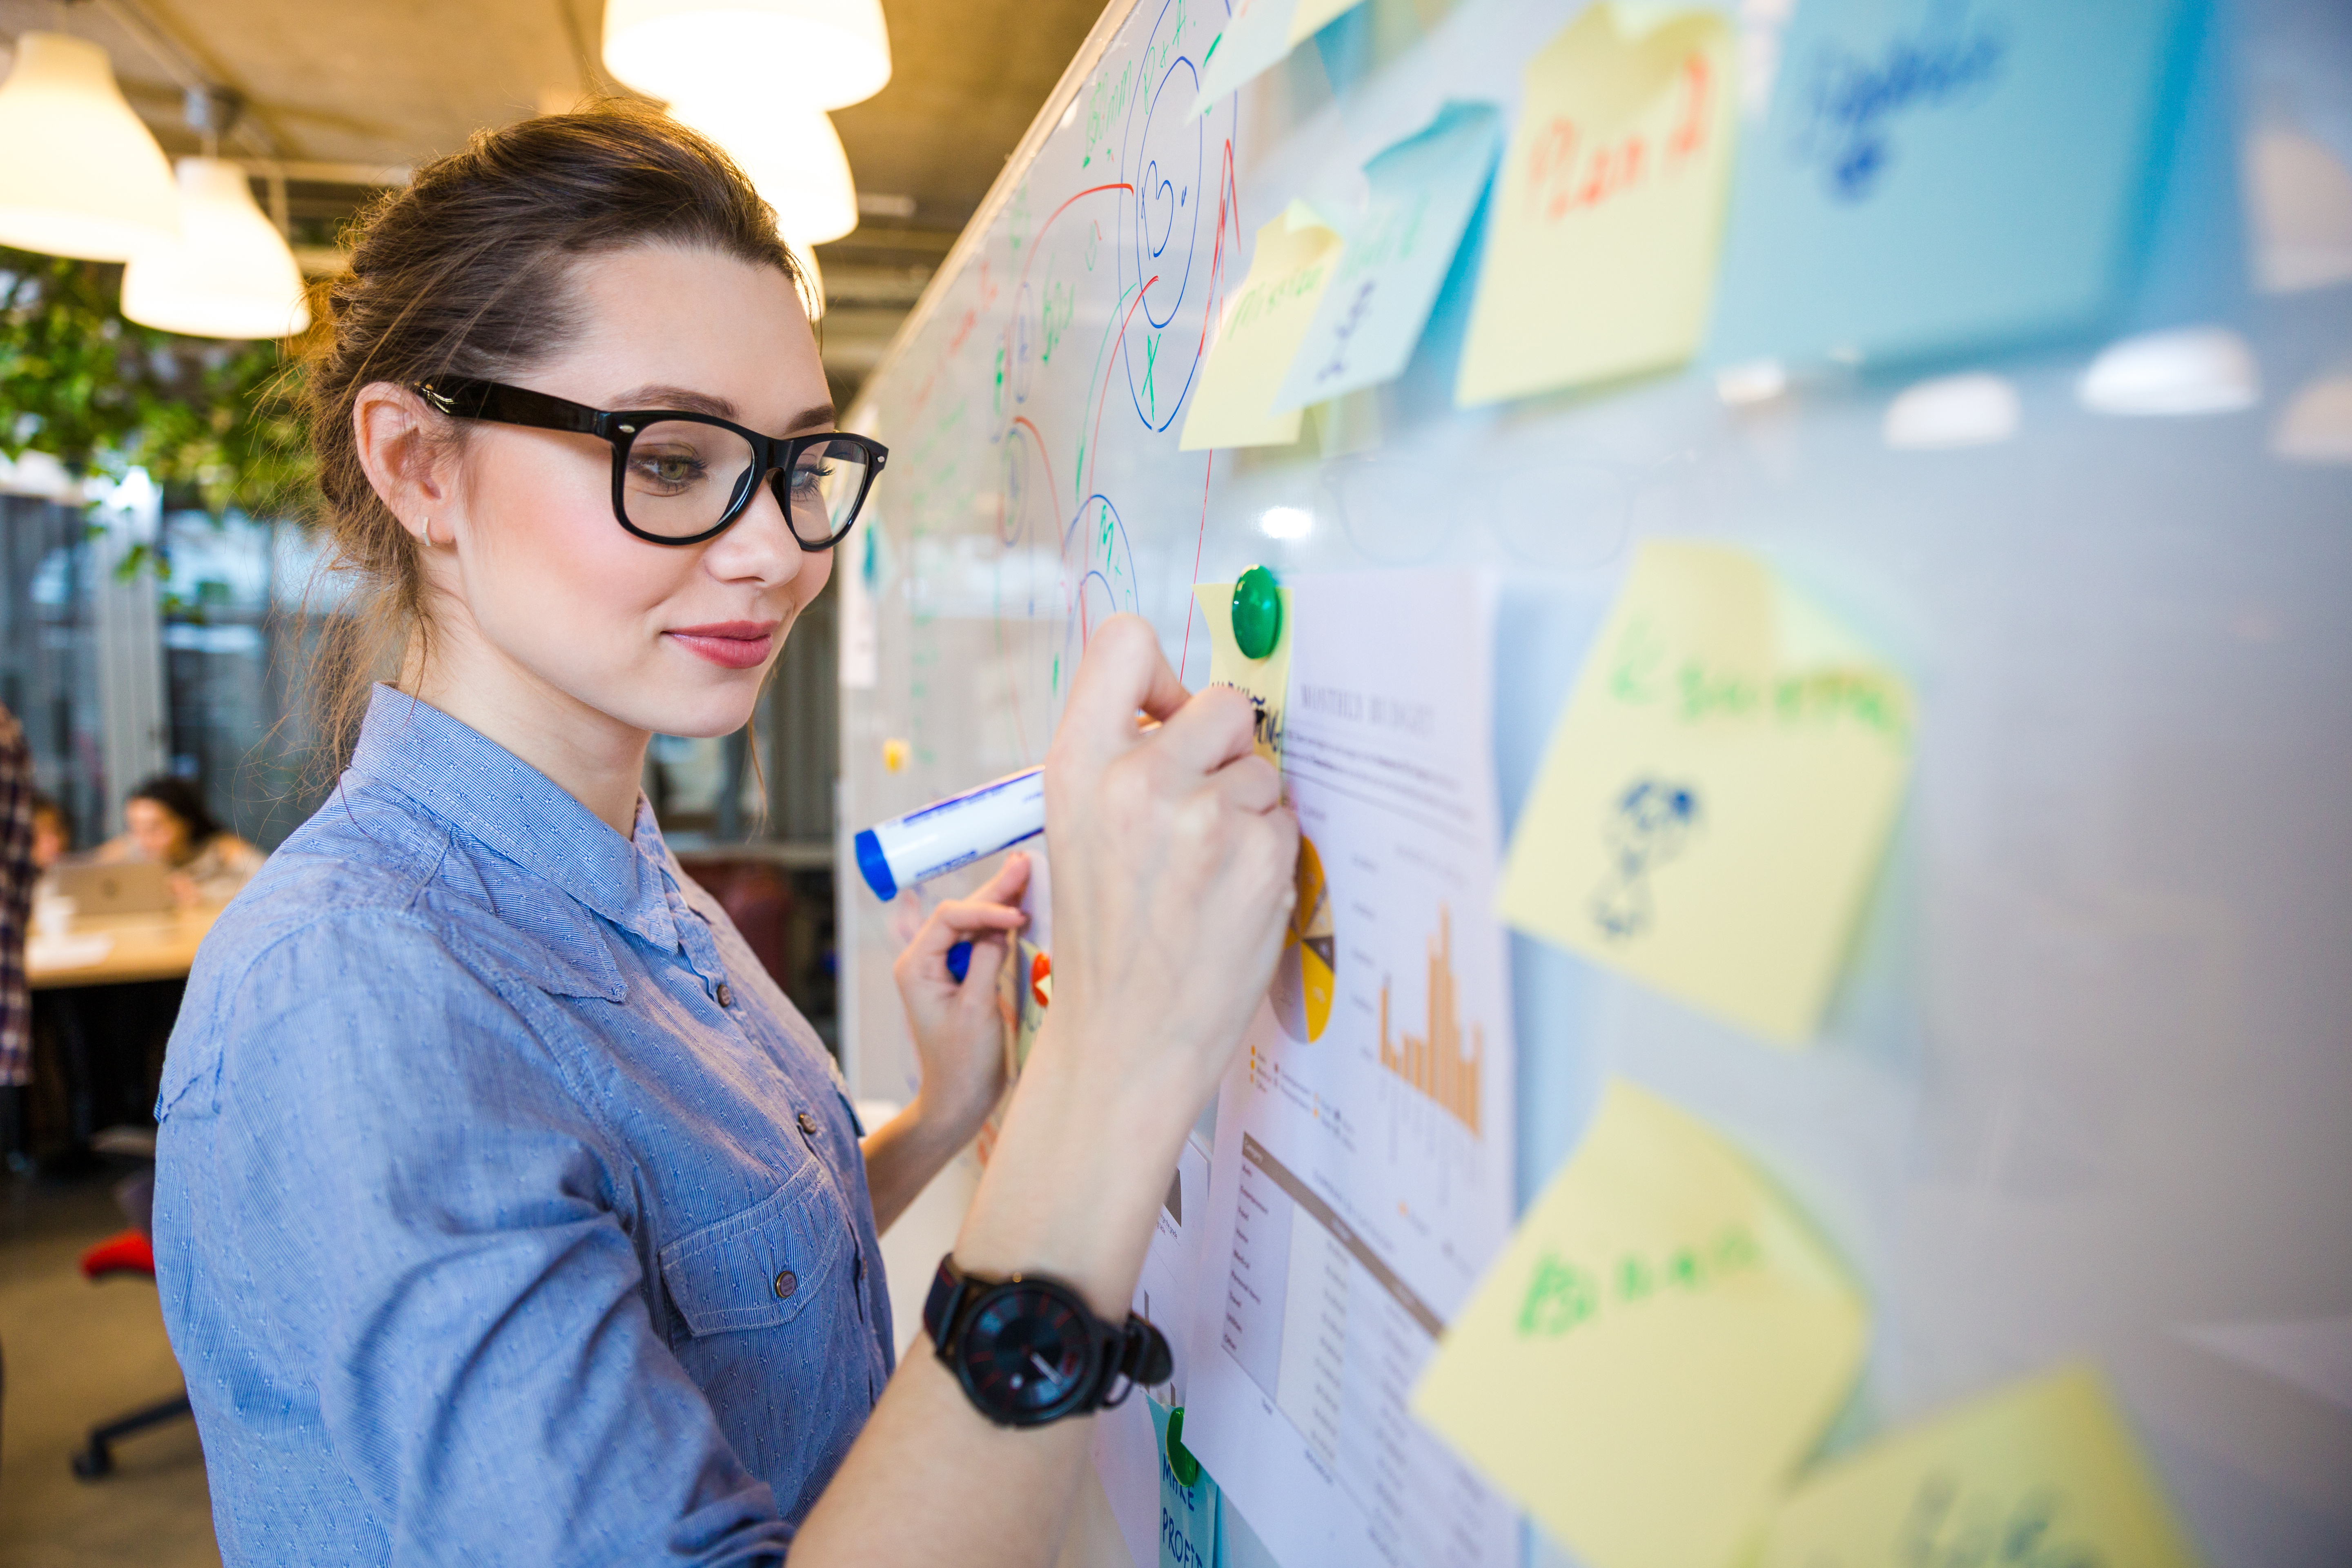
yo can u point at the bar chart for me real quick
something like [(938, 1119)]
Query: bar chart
[(1435, 1061)]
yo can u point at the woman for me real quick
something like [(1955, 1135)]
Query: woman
[(505, 1211), (166, 821)]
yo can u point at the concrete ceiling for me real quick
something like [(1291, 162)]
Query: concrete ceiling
[(342, 94)]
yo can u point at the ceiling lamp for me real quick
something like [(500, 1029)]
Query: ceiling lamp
[(83, 177), (793, 155), (228, 275), (831, 52)]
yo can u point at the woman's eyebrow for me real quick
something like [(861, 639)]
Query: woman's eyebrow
[(688, 401)]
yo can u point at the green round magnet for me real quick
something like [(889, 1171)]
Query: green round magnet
[(1187, 1469), (1257, 612)]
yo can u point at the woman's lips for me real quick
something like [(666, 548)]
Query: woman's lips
[(731, 645)]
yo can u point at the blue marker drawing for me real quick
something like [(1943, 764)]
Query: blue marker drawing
[(1648, 828), (1852, 101)]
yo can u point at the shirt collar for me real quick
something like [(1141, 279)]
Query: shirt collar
[(476, 785)]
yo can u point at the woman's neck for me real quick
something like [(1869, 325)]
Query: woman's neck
[(590, 755)]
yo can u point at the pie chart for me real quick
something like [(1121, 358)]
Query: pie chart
[(1301, 994)]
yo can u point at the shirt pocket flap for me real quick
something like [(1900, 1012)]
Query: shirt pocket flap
[(758, 1267)]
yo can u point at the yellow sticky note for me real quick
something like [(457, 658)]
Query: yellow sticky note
[(1265, 681), (1313, 15), (1258, 334), (1714, 801), (1608, 208), (2041, 1472), (1658, 1347)]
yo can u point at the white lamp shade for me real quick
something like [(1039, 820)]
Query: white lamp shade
[(228, 274), (794, 156), (824, 53), (80, 176)]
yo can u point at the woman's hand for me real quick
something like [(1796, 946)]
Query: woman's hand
[(959, 1031), (1174, 862), (1181, 868)]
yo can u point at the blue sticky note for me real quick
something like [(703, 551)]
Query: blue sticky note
[(1423, 190), (1188, 1514), (1938, 176)]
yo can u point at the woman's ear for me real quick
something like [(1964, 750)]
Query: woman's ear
[(390, 426)]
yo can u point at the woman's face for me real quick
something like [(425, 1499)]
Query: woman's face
[(669, 639), (157, 830), (49, 839)]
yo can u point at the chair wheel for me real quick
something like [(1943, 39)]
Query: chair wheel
[(93, 1462)]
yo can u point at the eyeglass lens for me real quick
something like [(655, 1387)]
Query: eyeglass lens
[(683, 477)]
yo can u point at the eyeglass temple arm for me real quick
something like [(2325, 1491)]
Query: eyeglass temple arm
[(468, 399)]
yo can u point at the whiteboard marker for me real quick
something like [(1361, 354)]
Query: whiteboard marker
[(954, 832)]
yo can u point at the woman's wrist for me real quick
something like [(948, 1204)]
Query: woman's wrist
[(1081, 1165)]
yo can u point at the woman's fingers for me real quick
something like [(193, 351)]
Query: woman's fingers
[(961, 918), (1123, 673), (1218, 726), (1249, 784)]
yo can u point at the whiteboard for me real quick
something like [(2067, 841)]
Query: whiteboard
[(2085, 1087)]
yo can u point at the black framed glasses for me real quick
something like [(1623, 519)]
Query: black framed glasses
[(681, 477)]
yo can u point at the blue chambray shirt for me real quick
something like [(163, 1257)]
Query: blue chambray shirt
[(505, 1210)]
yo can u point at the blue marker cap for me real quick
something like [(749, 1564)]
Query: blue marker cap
[(875, 868), (960, 961)]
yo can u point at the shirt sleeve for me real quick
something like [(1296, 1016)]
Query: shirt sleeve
[(422, 1219)]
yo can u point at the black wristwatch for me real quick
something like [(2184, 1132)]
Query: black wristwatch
[(1028, 1349)]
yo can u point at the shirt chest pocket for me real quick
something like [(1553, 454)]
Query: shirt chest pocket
[(762, 1267)]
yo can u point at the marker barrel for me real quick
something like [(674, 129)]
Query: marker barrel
[(954, 832)]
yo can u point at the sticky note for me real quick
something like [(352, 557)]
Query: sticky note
[(1188, 1511), (1423, 190), (1608, 211), (1258, 36), (2044, 1471), (1931, 176), (1658, 1347), (1265, 681), (1715, 800), (1258, 333)]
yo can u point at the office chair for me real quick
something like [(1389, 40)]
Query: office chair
[(127, 1252)]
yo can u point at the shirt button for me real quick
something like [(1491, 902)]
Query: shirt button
[(726, 997), (808, 1124), (786, 1283)]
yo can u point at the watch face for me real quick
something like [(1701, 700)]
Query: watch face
[(1027, 1351)]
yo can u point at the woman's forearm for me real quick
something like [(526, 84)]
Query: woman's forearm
[(905, 1152), (1069, 1193)]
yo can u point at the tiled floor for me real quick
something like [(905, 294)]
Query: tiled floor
[(78, 1354)]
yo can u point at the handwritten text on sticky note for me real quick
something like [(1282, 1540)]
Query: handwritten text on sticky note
[(1716, 799), (1658, 1346), (1265, 681), (1423, 190), (2044, 1473), (1258, 333), (1608, 211)]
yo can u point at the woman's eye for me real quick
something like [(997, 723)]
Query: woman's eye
[(670, 470), (810, 478)]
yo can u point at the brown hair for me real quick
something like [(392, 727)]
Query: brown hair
[(466, 272)]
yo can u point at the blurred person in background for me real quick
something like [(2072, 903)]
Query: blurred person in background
[(166, 821), (52, 835), (16, 877)]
